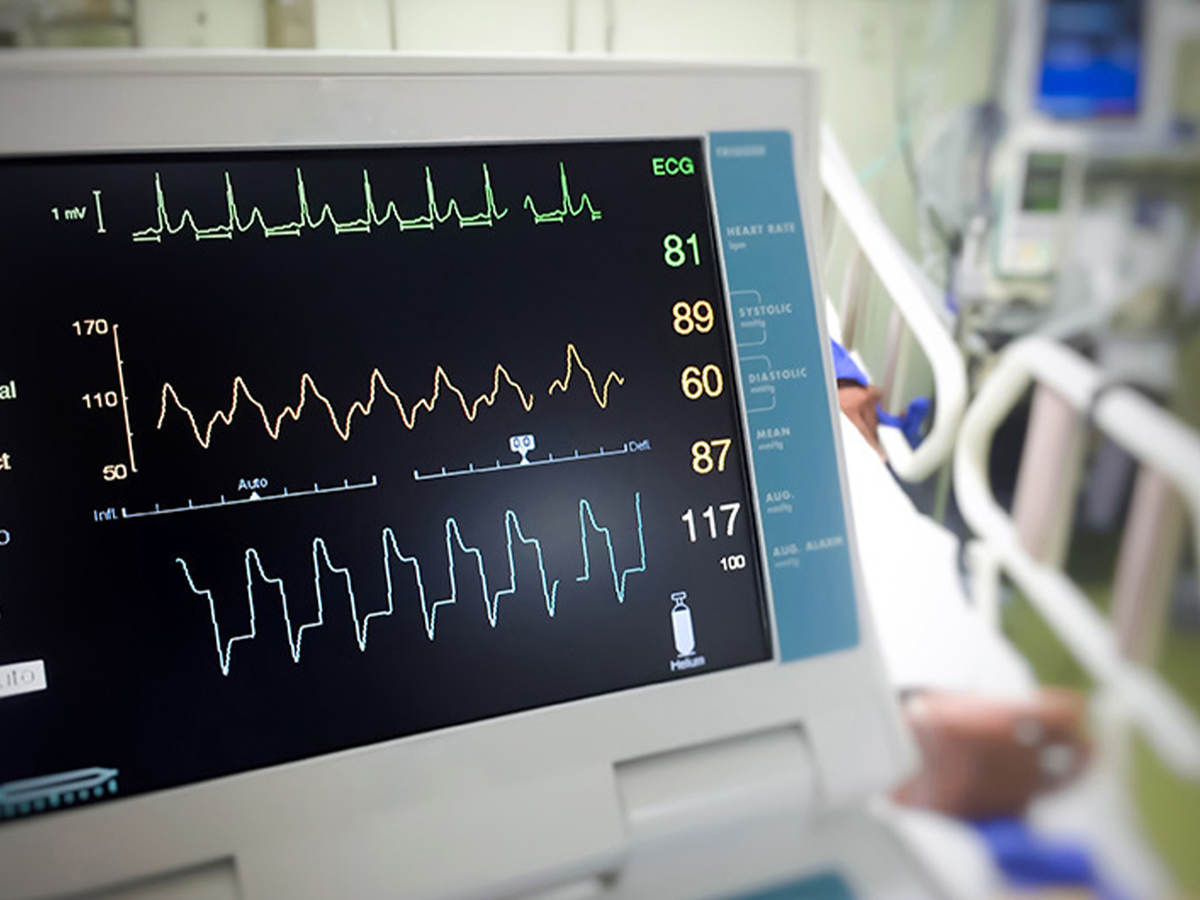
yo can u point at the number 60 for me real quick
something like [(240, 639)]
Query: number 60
[(696, 382)]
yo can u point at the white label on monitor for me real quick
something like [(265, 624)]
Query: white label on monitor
[(22, 678)]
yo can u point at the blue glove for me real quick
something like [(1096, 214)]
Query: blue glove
[(909, 422), (1030, 860)]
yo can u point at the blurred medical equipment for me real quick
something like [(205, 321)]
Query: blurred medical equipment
[(1086, 207)]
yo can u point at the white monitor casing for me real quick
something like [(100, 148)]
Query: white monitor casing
[(572, 792)]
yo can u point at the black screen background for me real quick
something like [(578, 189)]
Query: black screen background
[(131, 660)]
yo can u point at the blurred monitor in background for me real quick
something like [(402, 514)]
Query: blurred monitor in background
[(1091, 59)]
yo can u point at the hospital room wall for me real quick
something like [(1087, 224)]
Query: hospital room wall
[(944, 47)]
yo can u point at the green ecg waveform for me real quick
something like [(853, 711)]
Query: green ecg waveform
[(433, 216)]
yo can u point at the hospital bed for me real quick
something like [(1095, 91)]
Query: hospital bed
[(865, 268), (1027, 546), (939, 626)]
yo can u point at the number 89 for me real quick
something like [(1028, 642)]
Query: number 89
[(691, 317)]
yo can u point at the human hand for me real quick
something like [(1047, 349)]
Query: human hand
[(858, 402), (984, 758)]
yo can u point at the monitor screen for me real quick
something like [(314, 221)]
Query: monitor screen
[(302, 451), (1091, 59), (1042, 191)]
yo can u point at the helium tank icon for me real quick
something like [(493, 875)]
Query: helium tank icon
[(681, 625)]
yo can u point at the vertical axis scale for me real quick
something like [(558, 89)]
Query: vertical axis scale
[(100, 229), (124, 397)]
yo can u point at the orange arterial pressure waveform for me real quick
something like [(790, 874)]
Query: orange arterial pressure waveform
[(408, 416)]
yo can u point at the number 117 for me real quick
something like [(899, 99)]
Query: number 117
[(730, 510)]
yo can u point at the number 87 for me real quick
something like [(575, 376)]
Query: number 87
[(703, 461)]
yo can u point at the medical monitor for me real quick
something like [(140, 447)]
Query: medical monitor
[(1091, 59), (351, 451)]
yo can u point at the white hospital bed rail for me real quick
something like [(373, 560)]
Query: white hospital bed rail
[(874, 249), (1075, 392)]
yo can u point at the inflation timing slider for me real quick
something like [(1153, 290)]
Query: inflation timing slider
[(523, 444)]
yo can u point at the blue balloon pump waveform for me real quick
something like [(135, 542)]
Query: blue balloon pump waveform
[(322, 563)]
